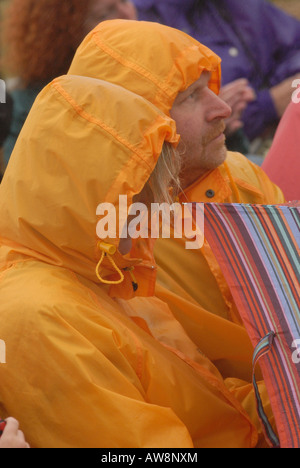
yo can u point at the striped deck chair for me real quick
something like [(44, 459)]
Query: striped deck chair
[(258, 248)]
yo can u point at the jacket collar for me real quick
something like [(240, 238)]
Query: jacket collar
[(212, 188)]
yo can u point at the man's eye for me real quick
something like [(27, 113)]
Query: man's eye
[(192, 95)]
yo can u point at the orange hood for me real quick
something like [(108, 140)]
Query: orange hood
[(149, 59), (84, 143)]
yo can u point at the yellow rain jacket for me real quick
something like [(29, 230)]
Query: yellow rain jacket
[(213, 321), (85, 366), (158, 62)]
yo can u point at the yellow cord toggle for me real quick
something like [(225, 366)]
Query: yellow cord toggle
[(107, 251), (107, 248)]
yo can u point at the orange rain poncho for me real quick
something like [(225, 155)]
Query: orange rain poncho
[(158, 62), (84, 366)]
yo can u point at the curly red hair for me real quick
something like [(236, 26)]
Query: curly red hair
[(41, 37)]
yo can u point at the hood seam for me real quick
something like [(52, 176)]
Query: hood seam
[(130, 64), (90, 118)]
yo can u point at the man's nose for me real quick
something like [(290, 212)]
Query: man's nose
[(219, 109)]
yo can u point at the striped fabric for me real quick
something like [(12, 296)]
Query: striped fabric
[(257, 247)]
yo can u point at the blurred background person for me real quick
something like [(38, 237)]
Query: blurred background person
[(257, 42), (40, 39), (282, 163)]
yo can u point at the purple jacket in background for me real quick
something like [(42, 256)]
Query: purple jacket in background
[(255, 40)]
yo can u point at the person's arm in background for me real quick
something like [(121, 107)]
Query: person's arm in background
[(282, 32)]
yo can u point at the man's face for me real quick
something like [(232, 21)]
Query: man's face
[(102, 10), (199, 115)]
